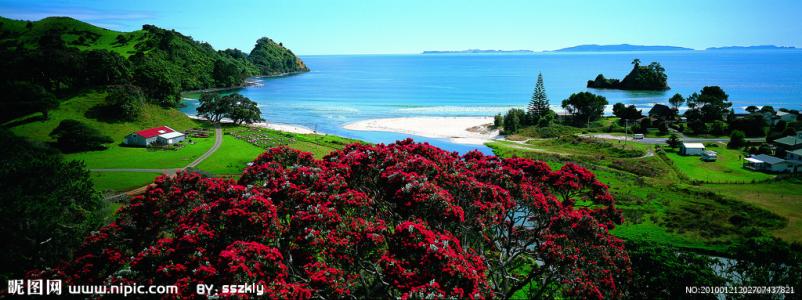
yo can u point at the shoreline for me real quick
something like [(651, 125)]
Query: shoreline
[(458, 130), (247, 83), (292, 128)]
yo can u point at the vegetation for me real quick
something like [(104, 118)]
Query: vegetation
[(624, 112), (727, 167), (361, 221), (584, 107), (74, 136), (651, 77), (123, 103), (51, 56), (49, 205), (273, 59), (239, 109), (539, 104)]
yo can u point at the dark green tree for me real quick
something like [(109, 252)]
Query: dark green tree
[(625, 112), (663, 272), (242, 110), (584, 106), (513, 121), (737, 139), (213, 107), (74, 136), (676, 101), (498, 121), (752, 109), (124, 102), (768, 109), (106, 67), (673, 140), (226, 74), (539, 104), (48, 206), (157, 80), (711, 104), (23, 98)]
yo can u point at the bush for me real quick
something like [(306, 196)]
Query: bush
[(48, 206), (369, 221), (737, 139), (123, 102), (74, 136)]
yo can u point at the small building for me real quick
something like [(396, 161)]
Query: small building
[(691, 149), (709, 155), (785, 116), (789, 143), (768, 163), (161, 135)]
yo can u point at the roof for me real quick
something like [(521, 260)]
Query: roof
[(693, 145), (768, 159), (789, 140), (781, 113), (171, 135), (797, 152), (151, 132), (754, 161)]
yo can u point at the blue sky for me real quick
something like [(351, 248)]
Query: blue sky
[(411, 26)]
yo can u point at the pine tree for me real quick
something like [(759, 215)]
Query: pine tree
[(539, 105)]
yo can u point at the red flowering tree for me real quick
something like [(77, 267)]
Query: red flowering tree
[(402, 220)]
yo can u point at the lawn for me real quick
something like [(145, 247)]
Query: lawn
[(783, 198), (144, 158), (726, 169), (656, 206), (116, 156), (121, 181), (76, 108), (317, 144), (231, 158)]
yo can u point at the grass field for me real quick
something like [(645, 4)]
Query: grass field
[(657, 205), (121, 181), (231, 158), (318, 145), (727, 168), (94, 38), (783, 198), (144, 158)]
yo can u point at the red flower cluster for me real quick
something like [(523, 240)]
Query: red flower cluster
[(370, 221)]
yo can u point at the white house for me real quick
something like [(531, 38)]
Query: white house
[(691, 149), (768, 163), (162, 135)]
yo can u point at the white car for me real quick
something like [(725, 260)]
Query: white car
[(637, 136)]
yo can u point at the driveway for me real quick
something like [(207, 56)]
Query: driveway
[(218, 141)]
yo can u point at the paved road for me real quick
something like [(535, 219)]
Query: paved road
[(218, 141), (648, 140)]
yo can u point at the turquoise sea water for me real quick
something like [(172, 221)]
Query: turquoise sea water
[(347, 88)]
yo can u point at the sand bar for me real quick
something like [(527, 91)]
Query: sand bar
[(462, 130)]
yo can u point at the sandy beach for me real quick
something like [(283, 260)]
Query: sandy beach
[(462, 130), (275, 126)]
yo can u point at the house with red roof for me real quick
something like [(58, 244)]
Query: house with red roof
[(161, 135)]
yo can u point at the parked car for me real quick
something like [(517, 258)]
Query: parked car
[(637, 136)]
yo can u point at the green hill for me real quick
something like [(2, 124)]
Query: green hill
[(81, 35), (273, 59)]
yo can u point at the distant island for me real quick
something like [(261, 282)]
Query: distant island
[(620, 47), (641, 78), (757, 47), (476, 51)]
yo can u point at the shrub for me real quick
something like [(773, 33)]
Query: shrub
[(369, 221), (74, 136)]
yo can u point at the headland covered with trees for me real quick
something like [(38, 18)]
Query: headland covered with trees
[(557, 213)]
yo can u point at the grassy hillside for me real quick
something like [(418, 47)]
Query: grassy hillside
[(660, 206), (83, 36), (77, 107)]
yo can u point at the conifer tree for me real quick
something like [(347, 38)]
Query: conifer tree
[(539, 105)]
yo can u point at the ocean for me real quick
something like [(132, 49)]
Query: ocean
[(344, 88)]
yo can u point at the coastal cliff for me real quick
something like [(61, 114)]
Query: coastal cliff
[(642, 78)]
